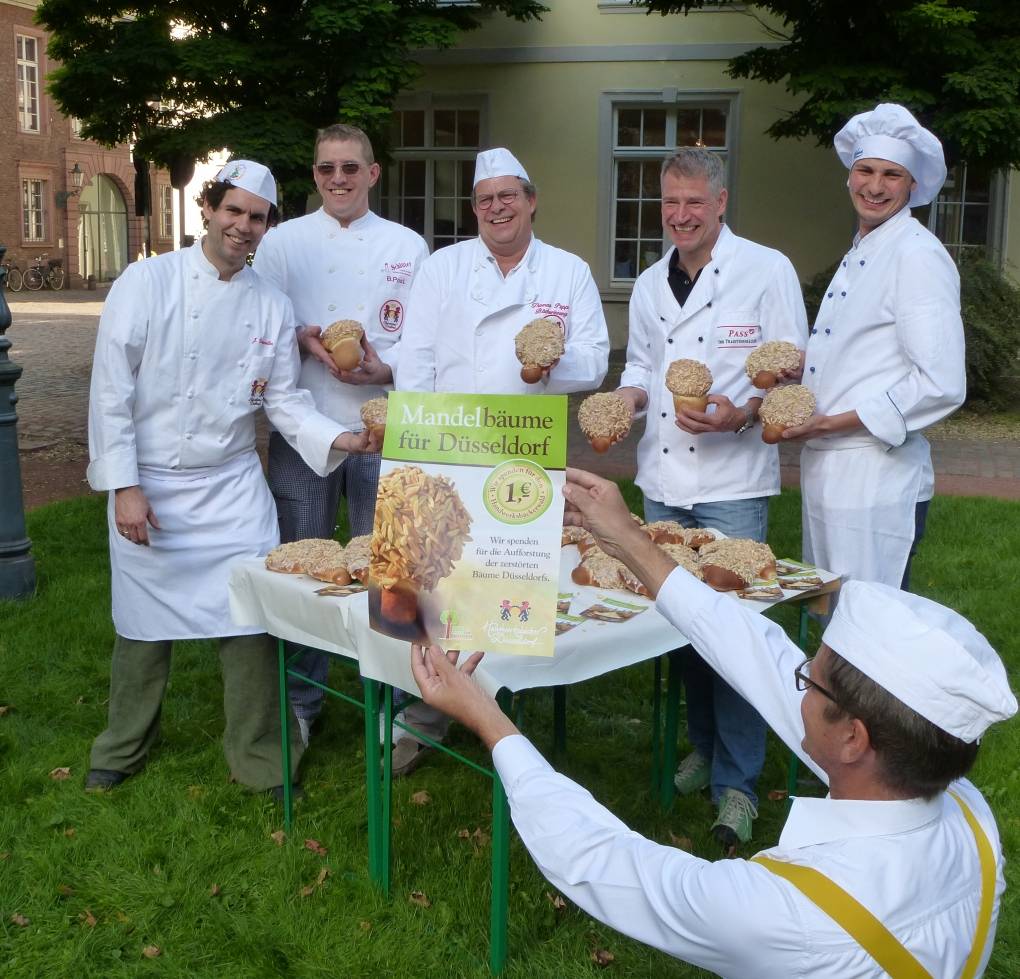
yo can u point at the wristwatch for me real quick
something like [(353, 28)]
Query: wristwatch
[(749, 420)]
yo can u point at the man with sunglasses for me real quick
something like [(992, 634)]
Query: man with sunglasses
[(897, 871), (340, 262), (470, 301)]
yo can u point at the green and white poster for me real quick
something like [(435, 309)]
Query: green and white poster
[(466, 543)]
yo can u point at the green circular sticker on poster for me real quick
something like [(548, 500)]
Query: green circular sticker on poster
[(517, 492)]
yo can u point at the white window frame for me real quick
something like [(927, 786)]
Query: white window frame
[(27, 83), (33, 209), (429, 103), (996, 206), (669, 98), (166, 211)]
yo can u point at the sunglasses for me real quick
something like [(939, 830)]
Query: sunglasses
[(328, 169)]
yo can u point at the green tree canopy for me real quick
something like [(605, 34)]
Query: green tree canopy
[(954, 63), (183, 78)]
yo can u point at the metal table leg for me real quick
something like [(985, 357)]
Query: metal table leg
[(288, 801), (373, 780), (559, 720), (656, 724), (666, 788)]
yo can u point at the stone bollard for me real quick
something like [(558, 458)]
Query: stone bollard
[(17, 566)]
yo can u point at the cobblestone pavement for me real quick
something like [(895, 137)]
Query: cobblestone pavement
[(53, 336)]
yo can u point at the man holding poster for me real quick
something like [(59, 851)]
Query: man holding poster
[(468, 304)]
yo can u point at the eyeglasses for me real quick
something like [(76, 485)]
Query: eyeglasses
[(804, 682), (350, 168), (484, 202)]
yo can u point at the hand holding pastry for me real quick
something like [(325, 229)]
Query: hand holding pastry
[(372, 369), (539, 346), (689, 382), (789, 406), (310, 344), (605, 420), (373, 414), (342, 340), (772, 363)]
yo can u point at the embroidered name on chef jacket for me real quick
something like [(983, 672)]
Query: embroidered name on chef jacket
[(555, 312), (737, 336), (397, 272)]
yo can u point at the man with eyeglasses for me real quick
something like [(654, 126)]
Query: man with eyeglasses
[(467, 305), (897, 871), (340, 262)]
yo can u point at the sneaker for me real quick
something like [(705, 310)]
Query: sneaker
[(408, 754), (733, 824), (693, 774), (104, 779)]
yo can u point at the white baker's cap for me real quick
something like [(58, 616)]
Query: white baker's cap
[(498, 163), (926, 655), (250, 176), (890, 132)]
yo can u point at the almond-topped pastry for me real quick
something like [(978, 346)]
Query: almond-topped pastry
[(330, 565), (735, 562), (297, 556), (605, 419), (689, 381), (342, 340), (785, 407), (358, 555), (765, 364), (665, 532), (599, 569), (373, 414), (684, 556), (539, 345), (573, 535)]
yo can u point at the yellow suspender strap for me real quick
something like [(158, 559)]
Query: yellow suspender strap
[(852, 916), (984, 919), (858, 922)]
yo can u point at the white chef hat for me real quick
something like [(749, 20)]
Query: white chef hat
[(926, 655), (499, 162), (890, 132), (250, 176)]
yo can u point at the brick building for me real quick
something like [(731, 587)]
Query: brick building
[(92, 229)]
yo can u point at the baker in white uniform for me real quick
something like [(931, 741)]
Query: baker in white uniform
[(713, 298), (468, 303), (191, 344), (885, 358), (898, 871), (342, 262)]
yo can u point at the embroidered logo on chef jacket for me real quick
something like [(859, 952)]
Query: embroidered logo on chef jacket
[(397, 272), (391, 315), (737, 335), (554, 312), (258, 392)]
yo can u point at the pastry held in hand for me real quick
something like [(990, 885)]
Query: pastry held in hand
[(689, 381), (373, 414), (342, 341), (604, 419), (785, 407), (735, 562), (539, 345), (765, 364), (420, 530)]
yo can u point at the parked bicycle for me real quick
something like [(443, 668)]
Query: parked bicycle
[(50, 274), (14, 280)]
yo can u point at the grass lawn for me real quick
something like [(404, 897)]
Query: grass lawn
[(181, 860)]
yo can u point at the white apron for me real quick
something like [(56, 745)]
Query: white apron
[(176, 588), (858, 503)]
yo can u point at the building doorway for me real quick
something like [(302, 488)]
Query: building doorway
[(102, 230)]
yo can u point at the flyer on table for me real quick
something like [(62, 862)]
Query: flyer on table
[(466, 543)]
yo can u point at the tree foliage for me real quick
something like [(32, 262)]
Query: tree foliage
[(954, 63), (183, 78)]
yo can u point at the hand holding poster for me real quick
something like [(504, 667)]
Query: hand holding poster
[(466, 543)]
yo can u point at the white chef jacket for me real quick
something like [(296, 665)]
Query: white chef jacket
[(888, 342), (463, 316), (329, 273), (183, 361), (913, 864), (747, 295)]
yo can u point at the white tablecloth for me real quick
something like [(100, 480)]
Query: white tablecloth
[(286, 606)]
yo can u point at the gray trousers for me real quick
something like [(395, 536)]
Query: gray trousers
[(251, 705), (306, 505)]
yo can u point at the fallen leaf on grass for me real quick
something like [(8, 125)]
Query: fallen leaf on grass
[(419, 898), (309, 889), (87, 918), (64, 890), (421, 798), (681, 842), (6, 855), (195, 791), (464, 834), (19, 919), (152, 951), (316, 847), (480, 839), (70, 831), (602, 957), (365, 925), (279, 837), (214, 891), (777, 794), (123, 918), (556, 901), (60, 774), (4, 710)]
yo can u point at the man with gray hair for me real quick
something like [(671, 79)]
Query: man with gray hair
[(713, 298), (342, 262)]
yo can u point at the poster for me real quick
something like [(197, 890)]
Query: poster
[(466, 542)]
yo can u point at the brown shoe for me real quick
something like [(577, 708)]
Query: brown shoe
[(408, 754)]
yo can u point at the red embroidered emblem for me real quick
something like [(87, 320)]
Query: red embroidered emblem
[(391, 315)]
